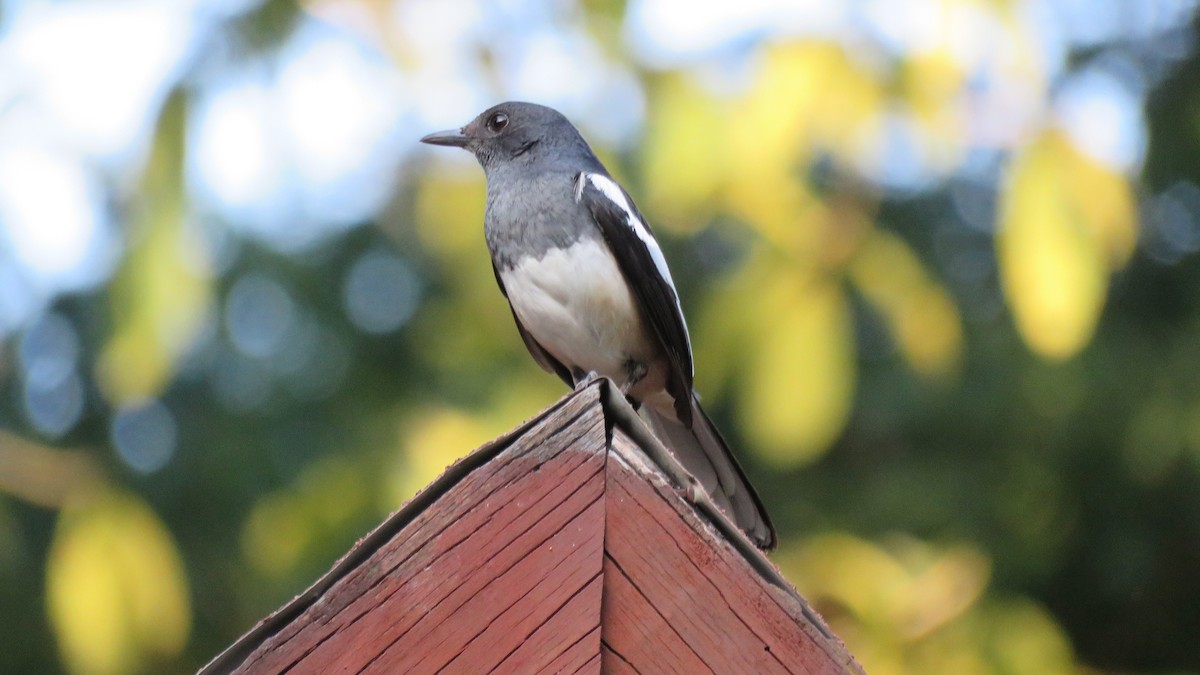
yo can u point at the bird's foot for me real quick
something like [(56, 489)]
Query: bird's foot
[(584, 379), (634, 372)]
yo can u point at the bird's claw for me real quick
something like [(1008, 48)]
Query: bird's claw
[(588, 378), (635, 371)]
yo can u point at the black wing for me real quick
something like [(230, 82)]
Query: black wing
[(543, 358), (651, 284)]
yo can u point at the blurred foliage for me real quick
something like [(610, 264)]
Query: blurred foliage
[(1067, 224), (116, 589), (917, 609), (161, 293), (970, 400)]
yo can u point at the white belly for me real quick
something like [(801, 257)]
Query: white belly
[(576, 304)]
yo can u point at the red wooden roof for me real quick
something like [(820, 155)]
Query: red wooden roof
[(562, 547)]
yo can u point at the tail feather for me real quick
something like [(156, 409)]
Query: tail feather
[(703, 452)]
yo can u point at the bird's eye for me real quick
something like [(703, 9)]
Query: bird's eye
[(497, 122)]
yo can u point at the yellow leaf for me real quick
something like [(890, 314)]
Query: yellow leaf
[(683, 153), (933, 83), (1105, 201), (431, 440), (1022, 637), (800, 376), (116, 589), (932, 80), (911, 607), (857, 574), (807, 98), (771, 129), (1056, 250), (946, 588), (918, 311), (162, 291), (781, 209)]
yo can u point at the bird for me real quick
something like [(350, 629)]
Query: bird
[(590, 290)]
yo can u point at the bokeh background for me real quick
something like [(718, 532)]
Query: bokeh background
[(938, 256)]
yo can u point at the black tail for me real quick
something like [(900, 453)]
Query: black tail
[(704, 453)]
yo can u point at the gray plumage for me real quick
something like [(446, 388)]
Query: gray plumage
[(589, 288)]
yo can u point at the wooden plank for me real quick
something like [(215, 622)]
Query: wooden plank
[(708, 593), (583, 656), (559, 553), (436, 642), (638, 629), (282, 623), (556, 646), (483, 525), (441, 577), (613, 662), (556, 596), (592, 667), (676, 588)]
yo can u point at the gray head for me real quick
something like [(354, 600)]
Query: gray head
[(519, 133)]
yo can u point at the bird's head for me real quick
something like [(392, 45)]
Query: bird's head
[(514, 131)]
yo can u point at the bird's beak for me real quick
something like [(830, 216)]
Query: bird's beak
[(454, 138)]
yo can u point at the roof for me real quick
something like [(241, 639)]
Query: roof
[(574, 543)]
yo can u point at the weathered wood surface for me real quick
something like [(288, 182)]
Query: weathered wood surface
[(674, 587), (560, 548)]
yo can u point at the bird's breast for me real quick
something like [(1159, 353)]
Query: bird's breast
[(576, 303)]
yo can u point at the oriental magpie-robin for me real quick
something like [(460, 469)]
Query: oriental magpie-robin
[(589, 287)]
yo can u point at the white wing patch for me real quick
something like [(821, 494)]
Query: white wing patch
[(610, 189)]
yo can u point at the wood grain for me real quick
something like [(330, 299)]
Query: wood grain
[(559, 549), (490, 550), (692, 590)]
